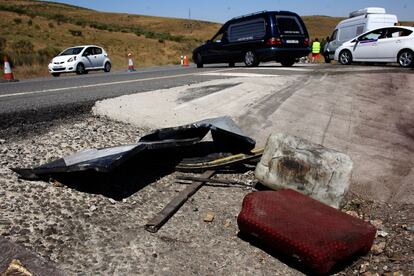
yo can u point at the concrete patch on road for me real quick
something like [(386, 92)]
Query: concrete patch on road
[(165, 108), (198, 92)]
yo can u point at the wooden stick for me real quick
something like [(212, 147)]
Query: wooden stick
[(174, 205)]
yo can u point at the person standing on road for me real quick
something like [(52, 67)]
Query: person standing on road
[(316, 50)]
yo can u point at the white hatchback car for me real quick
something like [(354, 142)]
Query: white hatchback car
[(80, 59), (392, 44)]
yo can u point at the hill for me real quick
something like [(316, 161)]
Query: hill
[(32, 32)]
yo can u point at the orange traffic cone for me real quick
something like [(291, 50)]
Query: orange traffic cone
[(130, 63), (8, 74), (185, 61)]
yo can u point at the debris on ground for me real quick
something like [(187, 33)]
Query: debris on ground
[(119, 171), (58, 223), (209, 217), (225, 134), (378, 248), (382, 233), (391, 254), (175, 204), (16, 269), (16, 260), (293, 226), (294, 163)]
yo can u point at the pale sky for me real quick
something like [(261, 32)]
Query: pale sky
[(223, 10)]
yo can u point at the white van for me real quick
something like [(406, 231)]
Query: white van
[(359, 22)]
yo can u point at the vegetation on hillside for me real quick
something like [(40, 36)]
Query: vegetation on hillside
[(32, 32), (32, 11)]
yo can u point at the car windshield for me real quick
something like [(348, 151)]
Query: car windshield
[(72, 51)]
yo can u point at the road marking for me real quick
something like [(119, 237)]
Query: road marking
[(103, 84), (323, 77), (246, 75), (278, 68), (359, 69)]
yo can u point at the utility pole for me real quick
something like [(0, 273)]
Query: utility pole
[(189, 13)]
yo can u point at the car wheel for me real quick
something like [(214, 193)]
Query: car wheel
[(107, 67), (199, 61), (250, 59), (405, 58), (231, 64), (56, 74), (80, 69), (327, 59), (287, 62), (345, 57)]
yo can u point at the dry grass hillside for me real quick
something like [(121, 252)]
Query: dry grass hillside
[(31, 32)]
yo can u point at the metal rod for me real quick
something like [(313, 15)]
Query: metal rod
[(209, 180)]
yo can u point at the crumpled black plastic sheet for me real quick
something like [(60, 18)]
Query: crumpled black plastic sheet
[(225, 134)]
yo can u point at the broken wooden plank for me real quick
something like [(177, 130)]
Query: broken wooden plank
[(174, 205)]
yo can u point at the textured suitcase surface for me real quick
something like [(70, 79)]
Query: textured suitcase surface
[(298, 226)]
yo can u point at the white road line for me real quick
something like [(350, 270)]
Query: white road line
[(323, 77), (103, 84), (278, 68), (247, 75), (359, 69)]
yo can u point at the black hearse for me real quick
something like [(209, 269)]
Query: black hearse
[(263, 36)]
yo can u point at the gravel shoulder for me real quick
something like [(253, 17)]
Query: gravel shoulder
[(90, 234)]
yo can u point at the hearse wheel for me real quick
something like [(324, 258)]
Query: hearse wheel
[(250, 59)]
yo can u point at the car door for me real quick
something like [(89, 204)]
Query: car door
[(98, 57), (215, 52), (245, 35), (391, 44), (365, 48), (87, 58)]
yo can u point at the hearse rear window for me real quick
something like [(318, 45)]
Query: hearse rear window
[(252, 29), (288, 25)]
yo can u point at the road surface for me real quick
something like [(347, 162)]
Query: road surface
[(72, 90), (365, 111)]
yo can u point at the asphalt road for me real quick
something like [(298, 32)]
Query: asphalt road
[(73, 89), (45, 98)]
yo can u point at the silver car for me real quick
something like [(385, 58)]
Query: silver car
[(80, 59)]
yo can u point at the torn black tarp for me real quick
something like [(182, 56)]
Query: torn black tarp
[(224, 131), (226, 136)]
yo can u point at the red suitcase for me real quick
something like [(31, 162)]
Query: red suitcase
[(294, 225)]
